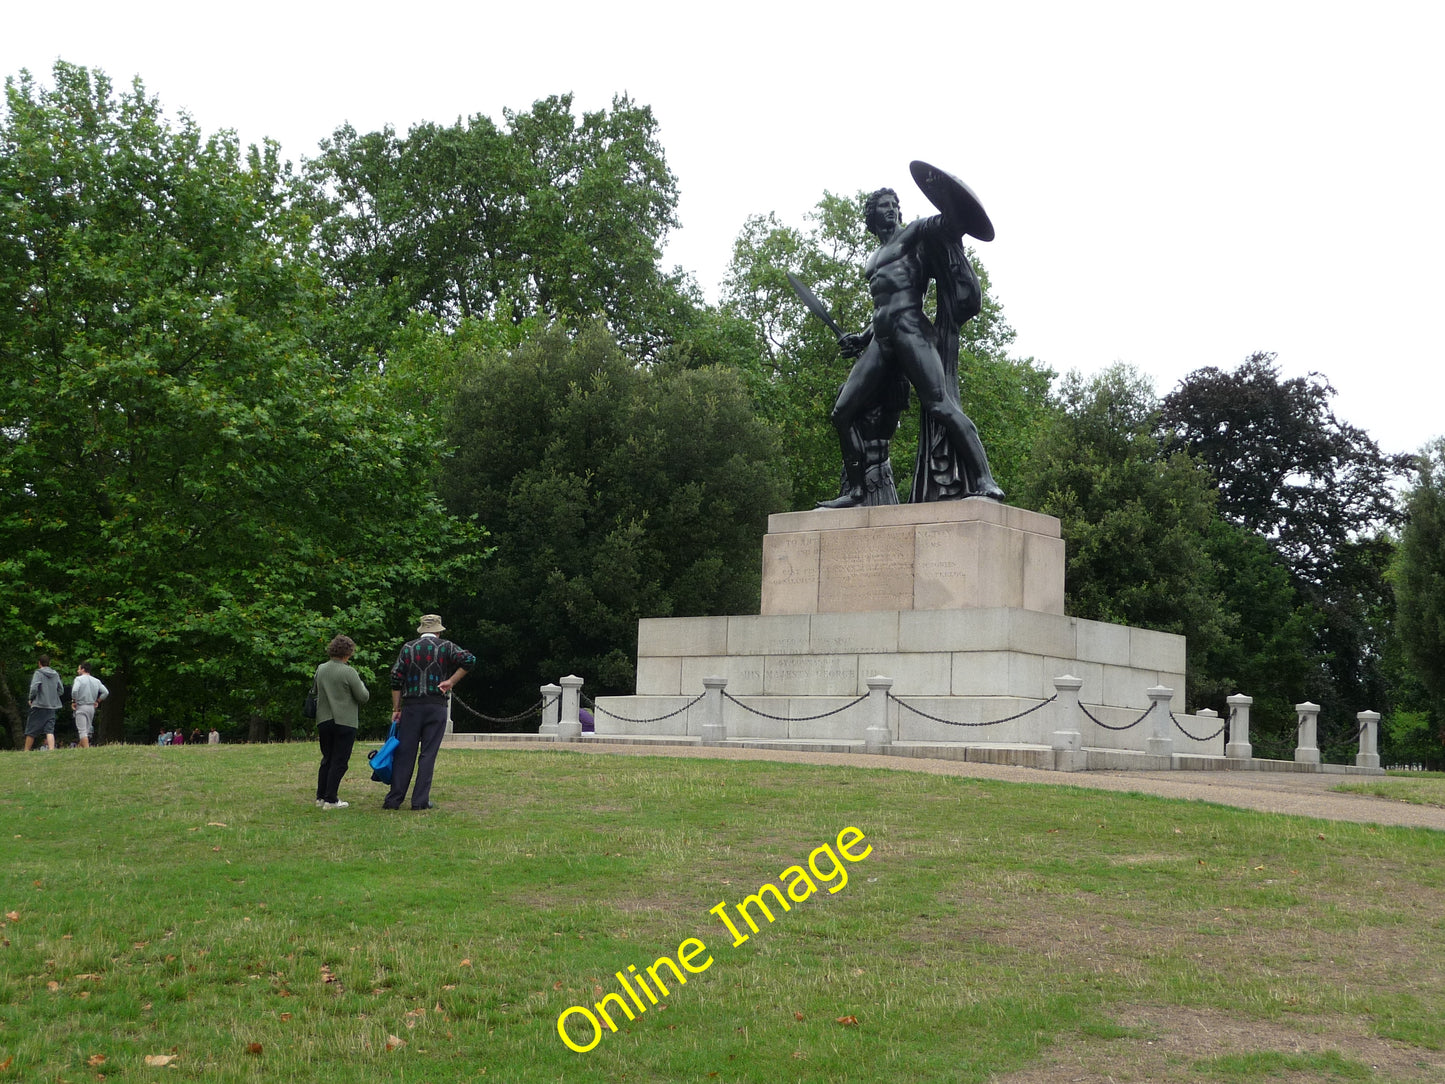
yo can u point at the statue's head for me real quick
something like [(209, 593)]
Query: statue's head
[(871, 217)]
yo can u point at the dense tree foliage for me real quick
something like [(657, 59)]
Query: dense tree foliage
[(1319, 492), (1419, 578), (612, 492), (1136, 518), (546, 215), (796, 369), (1286, 467), (190, 494)]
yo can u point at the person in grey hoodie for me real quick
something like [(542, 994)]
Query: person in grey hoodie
[(46, 690)]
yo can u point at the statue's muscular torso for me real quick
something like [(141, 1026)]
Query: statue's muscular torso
[(896, 279)]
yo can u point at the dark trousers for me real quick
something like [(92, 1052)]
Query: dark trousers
[(419, 731), (336, 743)]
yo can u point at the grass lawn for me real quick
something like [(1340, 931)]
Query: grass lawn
[(1417, 788), (192, 904)]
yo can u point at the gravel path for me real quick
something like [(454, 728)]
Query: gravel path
[(1297, 793)]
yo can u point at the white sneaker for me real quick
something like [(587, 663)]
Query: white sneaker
[(335, 805), (319, 803)]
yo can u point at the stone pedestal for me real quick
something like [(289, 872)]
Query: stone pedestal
[(970, 554)]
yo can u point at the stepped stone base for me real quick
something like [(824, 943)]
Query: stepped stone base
[(960, 603)]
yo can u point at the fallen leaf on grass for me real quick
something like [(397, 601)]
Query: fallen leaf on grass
[(465, 963), (797, 1016), (799, 1054), (52, 986), (326, 975), (254, 1048), (848, 1021), (95, 1060), (285, 1016), (158, 1060), (393, 1043), (215, 824), (88, 975), (557, 985), (6, 1063), (14, 916)]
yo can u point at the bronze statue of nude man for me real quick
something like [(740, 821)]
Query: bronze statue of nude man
[(951, 463)]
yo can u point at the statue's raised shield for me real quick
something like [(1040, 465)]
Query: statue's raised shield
[(954, 198)]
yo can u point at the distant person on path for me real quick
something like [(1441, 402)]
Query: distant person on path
[(86, 693), (339, 693), (196, 737), (46, 690), (178, 737), (214, 738), (426, 670)]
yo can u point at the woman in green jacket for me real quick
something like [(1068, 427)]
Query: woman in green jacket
[(339, 692)]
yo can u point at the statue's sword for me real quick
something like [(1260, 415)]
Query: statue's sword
[(816, 307)]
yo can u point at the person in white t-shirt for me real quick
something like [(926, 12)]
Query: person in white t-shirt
[(86, 693)]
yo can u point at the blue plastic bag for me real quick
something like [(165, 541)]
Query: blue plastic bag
[(380, 759)]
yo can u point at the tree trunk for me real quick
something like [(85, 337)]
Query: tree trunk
[(257, 729), (110, 715), (11, 711)]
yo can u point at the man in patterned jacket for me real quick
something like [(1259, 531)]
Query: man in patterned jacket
[(423, 677)]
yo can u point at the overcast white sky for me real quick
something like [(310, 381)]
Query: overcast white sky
[(1174, 184)]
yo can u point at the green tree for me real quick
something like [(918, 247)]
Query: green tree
[(1286, 467), (546, 215), (797, 369), (612, 492), (1269, 652), (1320, 493), (191, 495), (1136, 519), (1418, 577)]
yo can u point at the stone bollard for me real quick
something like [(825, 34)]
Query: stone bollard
[(713, 730), (1307, 745), (1208, 714), (569, 726), (1369, 754), (1069, 755), (551, 710), (1161, 738), (1238, 747), (878, 737)]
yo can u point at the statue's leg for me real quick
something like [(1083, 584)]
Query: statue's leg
[(860, 392), (925, 370)]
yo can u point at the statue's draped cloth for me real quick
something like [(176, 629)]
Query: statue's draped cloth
[(940, 473)]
